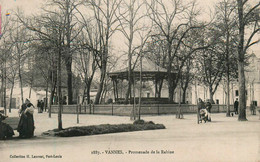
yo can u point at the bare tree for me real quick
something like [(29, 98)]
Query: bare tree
[(104, 12), (186, 77), (67, 10), (157, 52), (247, 16), (45, 71), (86, 63), (211, 65), (130, 24), (166, 18), (50, 27), (19, 39), (225, 25)]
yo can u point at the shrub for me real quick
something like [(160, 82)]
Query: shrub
[(103, 129), (139, 122)]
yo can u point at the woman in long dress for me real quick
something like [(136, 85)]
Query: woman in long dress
[(26, 123)]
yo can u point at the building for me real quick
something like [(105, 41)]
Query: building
[(29, 93), (252, 74)]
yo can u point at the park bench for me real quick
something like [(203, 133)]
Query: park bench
[(12, 121)]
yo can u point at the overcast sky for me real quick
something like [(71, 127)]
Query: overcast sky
[(33, 6)]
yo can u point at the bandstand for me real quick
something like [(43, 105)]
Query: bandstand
[(148, 71)]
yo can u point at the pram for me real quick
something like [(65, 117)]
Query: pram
[(203, 115)]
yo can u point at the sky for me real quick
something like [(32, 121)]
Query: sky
[(34, 6)]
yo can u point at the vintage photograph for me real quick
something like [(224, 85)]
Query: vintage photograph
[(130, 80)]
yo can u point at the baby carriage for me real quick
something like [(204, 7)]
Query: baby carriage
[(203, 115)]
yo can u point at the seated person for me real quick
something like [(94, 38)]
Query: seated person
[(6, 131)]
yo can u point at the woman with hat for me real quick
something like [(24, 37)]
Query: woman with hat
[(26, 123)]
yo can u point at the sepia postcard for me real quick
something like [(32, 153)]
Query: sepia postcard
[(129, 80)]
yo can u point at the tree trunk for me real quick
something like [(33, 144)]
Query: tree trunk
[(46, 95), (169, 70), (5, 88), (11, 95), (59, 93), (242, 92), (228, 98), (88, 93), (69, 80), (53, 86), (160, 88), (211, 94), (100, 87), (241, 55), (52, 96), (128, 91), (170, 89), (185, 87), (2, 87), (104, 94), (21, 82), (184, 95), (227, 61)]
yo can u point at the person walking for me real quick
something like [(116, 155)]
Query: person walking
[(236, 103), (26, 123)]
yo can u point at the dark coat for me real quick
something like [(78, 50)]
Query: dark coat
[(6, 131), (208, 106), (236, 104), (26, 124), (201, 105)]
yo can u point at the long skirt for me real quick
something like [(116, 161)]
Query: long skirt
[(26, 126)]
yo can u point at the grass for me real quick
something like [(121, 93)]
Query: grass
[(104, 129)]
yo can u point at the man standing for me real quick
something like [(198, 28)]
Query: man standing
[(39, 106), (236, 106), (208, 107), (42, 105)]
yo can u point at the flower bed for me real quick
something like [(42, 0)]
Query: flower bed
[(103, 129)]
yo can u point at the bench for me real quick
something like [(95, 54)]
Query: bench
[(12, 121)]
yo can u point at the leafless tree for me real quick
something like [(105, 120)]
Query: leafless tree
[(173, 21), (248, 16), (130, 18), (104, 12), (86, 63), (225, 24)]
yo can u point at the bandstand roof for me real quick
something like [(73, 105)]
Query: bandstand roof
[(150, 71)]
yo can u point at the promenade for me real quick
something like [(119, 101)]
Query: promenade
[(224, 139)]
